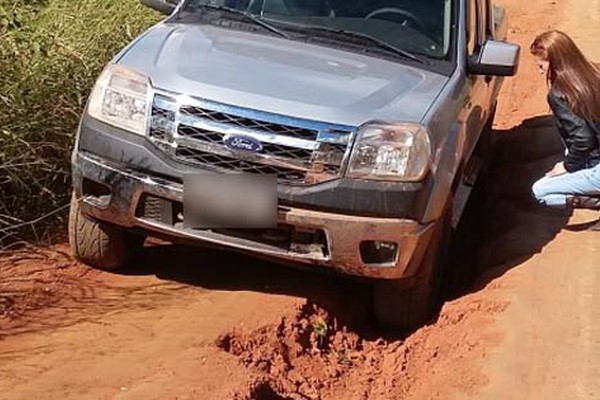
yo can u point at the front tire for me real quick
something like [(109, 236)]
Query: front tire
[(99, 244), (409, 304)]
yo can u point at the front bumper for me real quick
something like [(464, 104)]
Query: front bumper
[(343, 233)]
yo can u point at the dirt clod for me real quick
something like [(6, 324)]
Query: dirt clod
[(299, 356), (309, 356)]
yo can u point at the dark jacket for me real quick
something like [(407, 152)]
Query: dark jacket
[(581, 137)]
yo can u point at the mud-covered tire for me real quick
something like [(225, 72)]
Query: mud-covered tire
[(98, 244), (402, 308), (407, 305)]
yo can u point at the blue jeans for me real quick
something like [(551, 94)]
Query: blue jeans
[(554, 191)]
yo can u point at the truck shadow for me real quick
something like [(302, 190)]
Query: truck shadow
[(346, 300), (503, 227), (506, 226)]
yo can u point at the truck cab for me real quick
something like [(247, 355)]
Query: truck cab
[(335, 134)]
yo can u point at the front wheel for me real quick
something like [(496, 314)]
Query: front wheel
[(99, 244), (407, 305)]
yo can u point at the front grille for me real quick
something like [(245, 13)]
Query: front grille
[(299, 152)]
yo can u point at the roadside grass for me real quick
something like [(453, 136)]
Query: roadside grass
[(51, 51)]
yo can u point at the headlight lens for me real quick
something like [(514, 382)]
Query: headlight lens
[(395, 152), (120, 98)]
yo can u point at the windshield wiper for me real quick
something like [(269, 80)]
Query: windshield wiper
[(381, 44), (247, 16)]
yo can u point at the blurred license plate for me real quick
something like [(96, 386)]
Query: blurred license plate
[(230, 201)]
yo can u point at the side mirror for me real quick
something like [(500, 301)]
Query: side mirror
[(496, 59), (163, 6)]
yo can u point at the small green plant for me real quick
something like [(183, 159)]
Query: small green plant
[(320, 328)]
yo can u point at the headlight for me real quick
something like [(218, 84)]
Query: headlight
[(120, 98), (395, 152)]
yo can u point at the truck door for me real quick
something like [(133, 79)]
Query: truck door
[(494, 32)]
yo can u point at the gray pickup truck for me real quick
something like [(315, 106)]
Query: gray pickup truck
[(341, 134)]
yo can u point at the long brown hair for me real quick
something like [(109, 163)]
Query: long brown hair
[(570, 72)]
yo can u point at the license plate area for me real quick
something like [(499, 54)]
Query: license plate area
[(232, 201)]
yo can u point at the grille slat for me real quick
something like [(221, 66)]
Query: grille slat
[(249, 123), (196, 135), (232, 164)]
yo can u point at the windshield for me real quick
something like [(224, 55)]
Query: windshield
[(417, 26)]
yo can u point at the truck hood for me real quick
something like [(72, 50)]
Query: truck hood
[(281, 76)]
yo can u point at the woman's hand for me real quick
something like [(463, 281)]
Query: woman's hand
[(559, 169)]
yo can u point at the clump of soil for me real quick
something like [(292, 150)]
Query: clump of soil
[(299, 355), (309, 356)]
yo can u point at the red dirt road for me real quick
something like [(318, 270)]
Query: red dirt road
[(199, 324)]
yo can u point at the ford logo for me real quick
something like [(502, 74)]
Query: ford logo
[(244, 143)]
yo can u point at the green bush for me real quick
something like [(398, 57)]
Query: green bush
[(51, 51)]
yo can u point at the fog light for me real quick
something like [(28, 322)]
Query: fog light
[(96, 193), (379, 253)]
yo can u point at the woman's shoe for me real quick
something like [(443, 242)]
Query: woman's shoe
[(587, 202)]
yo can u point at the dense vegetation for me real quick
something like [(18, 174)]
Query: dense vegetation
[(51, 51)]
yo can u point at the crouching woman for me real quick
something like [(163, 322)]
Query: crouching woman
[(574, 98)]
